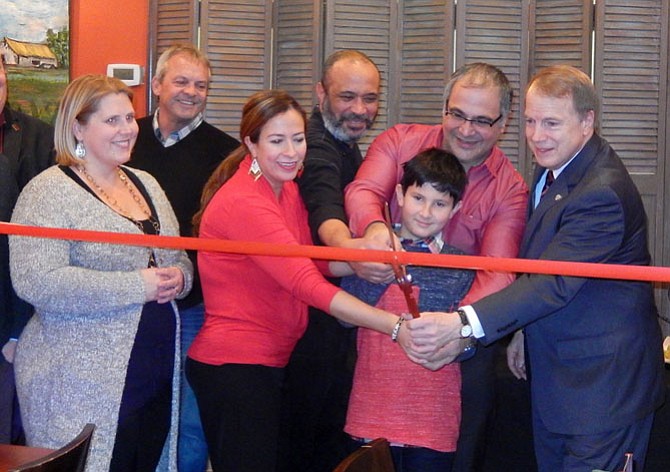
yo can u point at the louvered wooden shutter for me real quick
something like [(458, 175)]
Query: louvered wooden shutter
[(298, 55), (426, 60), (236, 36), (631, 75), (495, 32), (561, 34), (627, 72), (170, 21)]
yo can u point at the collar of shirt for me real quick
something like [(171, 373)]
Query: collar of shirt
[(175, 136), (558, 171), (433, 243), (491, 165), (540, 183)]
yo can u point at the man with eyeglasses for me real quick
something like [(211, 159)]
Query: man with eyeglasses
[(490, 222)]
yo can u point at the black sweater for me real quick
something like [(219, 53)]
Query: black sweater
[(182, 170)]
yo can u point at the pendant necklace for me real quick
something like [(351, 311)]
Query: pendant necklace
[(115, 204)]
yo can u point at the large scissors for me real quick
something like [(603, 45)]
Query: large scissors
[(400, 271)]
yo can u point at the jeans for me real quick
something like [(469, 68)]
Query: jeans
[(192, 447), (11, 430), (421, 459), (415, 459)]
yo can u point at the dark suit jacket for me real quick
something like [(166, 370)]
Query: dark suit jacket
[(29, 145), (8, 193), (28, 150), (594, 345)]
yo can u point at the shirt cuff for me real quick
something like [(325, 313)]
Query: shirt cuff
[(473, 319)]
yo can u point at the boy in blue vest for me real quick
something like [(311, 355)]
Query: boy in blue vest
[(417, 410)]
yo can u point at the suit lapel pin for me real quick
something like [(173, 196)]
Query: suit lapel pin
[(558, 197)]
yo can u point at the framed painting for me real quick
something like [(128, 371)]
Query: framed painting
[(35, 48)]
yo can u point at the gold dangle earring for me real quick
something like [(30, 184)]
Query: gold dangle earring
[(255, 170)]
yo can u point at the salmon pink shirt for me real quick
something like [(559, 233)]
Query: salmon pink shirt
[(256, 306)]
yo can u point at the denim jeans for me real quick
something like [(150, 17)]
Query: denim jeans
[(415, 459), (192, 447), (421, 459)]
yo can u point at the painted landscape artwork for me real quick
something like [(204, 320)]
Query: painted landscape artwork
[(34, 45)]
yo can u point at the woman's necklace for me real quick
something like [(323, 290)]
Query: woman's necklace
[(115, 204)]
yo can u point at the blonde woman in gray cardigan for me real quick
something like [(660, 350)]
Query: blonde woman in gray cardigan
[(101, 345)]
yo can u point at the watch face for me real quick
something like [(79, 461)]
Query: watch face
[(466, 331)]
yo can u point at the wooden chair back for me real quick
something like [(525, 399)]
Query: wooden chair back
[(69, 458), (374, 456)]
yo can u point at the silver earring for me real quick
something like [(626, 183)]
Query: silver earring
[(80, 150), (255, 169)]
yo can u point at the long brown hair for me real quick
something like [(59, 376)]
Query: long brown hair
[(260, 108)]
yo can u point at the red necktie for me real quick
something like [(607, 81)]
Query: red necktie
[(547, 183)]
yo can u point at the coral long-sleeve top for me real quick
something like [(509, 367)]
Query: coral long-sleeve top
[(256, 306)]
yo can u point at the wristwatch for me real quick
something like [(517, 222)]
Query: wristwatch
[(466, 329)]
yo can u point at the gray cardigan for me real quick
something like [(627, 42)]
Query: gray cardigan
[(73, 355)]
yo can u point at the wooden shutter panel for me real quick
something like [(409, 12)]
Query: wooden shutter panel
[(176, 21), (170, 21), (628, 62), (629, 77), (237, 39), (561, 34), (493, 32), (426, 51), (298, 56)]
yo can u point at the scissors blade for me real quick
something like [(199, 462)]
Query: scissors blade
[(399, 270)]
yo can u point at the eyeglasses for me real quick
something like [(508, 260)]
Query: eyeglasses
[(460, 118)]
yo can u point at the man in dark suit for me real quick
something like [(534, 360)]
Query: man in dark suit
[(592, 346), (26, 149), (8, 194)]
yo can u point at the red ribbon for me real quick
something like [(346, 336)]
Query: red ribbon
[(495, 264)]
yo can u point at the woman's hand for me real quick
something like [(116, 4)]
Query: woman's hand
[(9, 350), (162, 284)]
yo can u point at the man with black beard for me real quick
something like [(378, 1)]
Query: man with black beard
[(319, 374)]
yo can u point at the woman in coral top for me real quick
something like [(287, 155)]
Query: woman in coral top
[(256, 306)]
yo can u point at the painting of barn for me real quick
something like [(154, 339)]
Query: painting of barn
[(35, 48), (23, 53)]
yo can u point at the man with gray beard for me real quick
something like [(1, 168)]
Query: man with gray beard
[(319, 374)]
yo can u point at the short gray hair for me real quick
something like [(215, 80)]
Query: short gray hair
[(481, 74), (180, 48)]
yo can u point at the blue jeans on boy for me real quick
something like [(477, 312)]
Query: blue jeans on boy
[(192, 448), (421, 459), (415, 459)]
